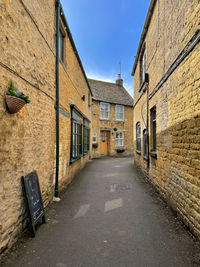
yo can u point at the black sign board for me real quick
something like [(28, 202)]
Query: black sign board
[(34, 199)]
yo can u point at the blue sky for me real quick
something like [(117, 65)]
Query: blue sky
[(105, 32)]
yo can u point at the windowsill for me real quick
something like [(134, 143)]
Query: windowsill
[(139, 152), (153, 154), (73, 160), (120, 120), (104, 119)]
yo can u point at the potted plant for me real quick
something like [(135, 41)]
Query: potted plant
[(15, 99), (120, 149), (95, 145)]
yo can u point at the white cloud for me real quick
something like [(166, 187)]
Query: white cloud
[(101, 77)]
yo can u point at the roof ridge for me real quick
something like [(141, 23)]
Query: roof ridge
[(89, 79)]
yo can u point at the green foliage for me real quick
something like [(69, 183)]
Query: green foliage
[(14, 91)]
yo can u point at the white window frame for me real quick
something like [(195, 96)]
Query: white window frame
[(94, 135), (121, 138), (143, 65), (104, 118), (116, 112)]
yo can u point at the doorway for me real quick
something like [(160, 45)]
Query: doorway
[(104, 142)]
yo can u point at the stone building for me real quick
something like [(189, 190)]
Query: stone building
[(51, 134), (167, 105), (112, 119)]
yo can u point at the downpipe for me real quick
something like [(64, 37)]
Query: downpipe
[(56, 194)]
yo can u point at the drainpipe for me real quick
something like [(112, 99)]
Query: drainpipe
[(147, 88), (57, 2)]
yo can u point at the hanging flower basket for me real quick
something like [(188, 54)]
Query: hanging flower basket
[(95, 145), (15, 99), (14, 104), (120, 150)]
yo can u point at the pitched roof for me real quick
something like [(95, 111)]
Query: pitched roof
[(110, 92)]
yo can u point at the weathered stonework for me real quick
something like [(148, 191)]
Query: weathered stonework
[(28, 138), (126, 126), (176, 170)]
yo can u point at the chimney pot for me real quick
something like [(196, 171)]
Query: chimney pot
[(119, 80)]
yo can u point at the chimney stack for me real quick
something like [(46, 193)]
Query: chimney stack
[(119, 80)]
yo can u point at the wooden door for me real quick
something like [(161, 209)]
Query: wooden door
[(104, 142)]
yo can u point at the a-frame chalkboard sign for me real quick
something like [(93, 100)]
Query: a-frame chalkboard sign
[(34, 199)]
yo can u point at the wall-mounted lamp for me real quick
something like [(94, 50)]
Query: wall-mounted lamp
[(83, 97)]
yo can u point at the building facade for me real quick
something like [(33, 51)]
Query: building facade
[(167, 105), (112, 119), (51, 134)]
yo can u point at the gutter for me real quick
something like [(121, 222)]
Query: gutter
[(144, 33)]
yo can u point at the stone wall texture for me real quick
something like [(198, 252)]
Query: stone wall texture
[(176, 171), (28, 138), (126, 126)]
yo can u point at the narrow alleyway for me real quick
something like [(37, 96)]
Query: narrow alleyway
[(109, 217)]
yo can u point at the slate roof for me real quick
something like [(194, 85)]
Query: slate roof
[(110, 92)]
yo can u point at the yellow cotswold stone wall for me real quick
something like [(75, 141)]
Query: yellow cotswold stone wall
[(176, 170), (126, 126), (28, 138), (73, 87)]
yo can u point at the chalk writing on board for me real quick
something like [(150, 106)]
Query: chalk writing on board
[(34, 199)]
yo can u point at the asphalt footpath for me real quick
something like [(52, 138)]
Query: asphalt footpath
[(109, 216)]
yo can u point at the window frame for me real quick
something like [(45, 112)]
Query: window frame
[(153, 130), (86, 136), (94, 135), (116, 106), (119, 139), (103, 118), (138, 137), (145, 144), (143, 64), (80, 135)]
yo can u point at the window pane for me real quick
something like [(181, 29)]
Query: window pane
[(119, 141), (104, 106), (138, 141)]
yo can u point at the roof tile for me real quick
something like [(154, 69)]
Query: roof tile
[(110, 92)]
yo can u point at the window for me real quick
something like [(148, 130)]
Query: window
[(104, 107), (145, 143), (153, 128), (86, 136), (94, 138), (80, 135), (62, 45), (103, 136), (119, 112), (119, 141), (143, 66), (89, 103), (138, 138)]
